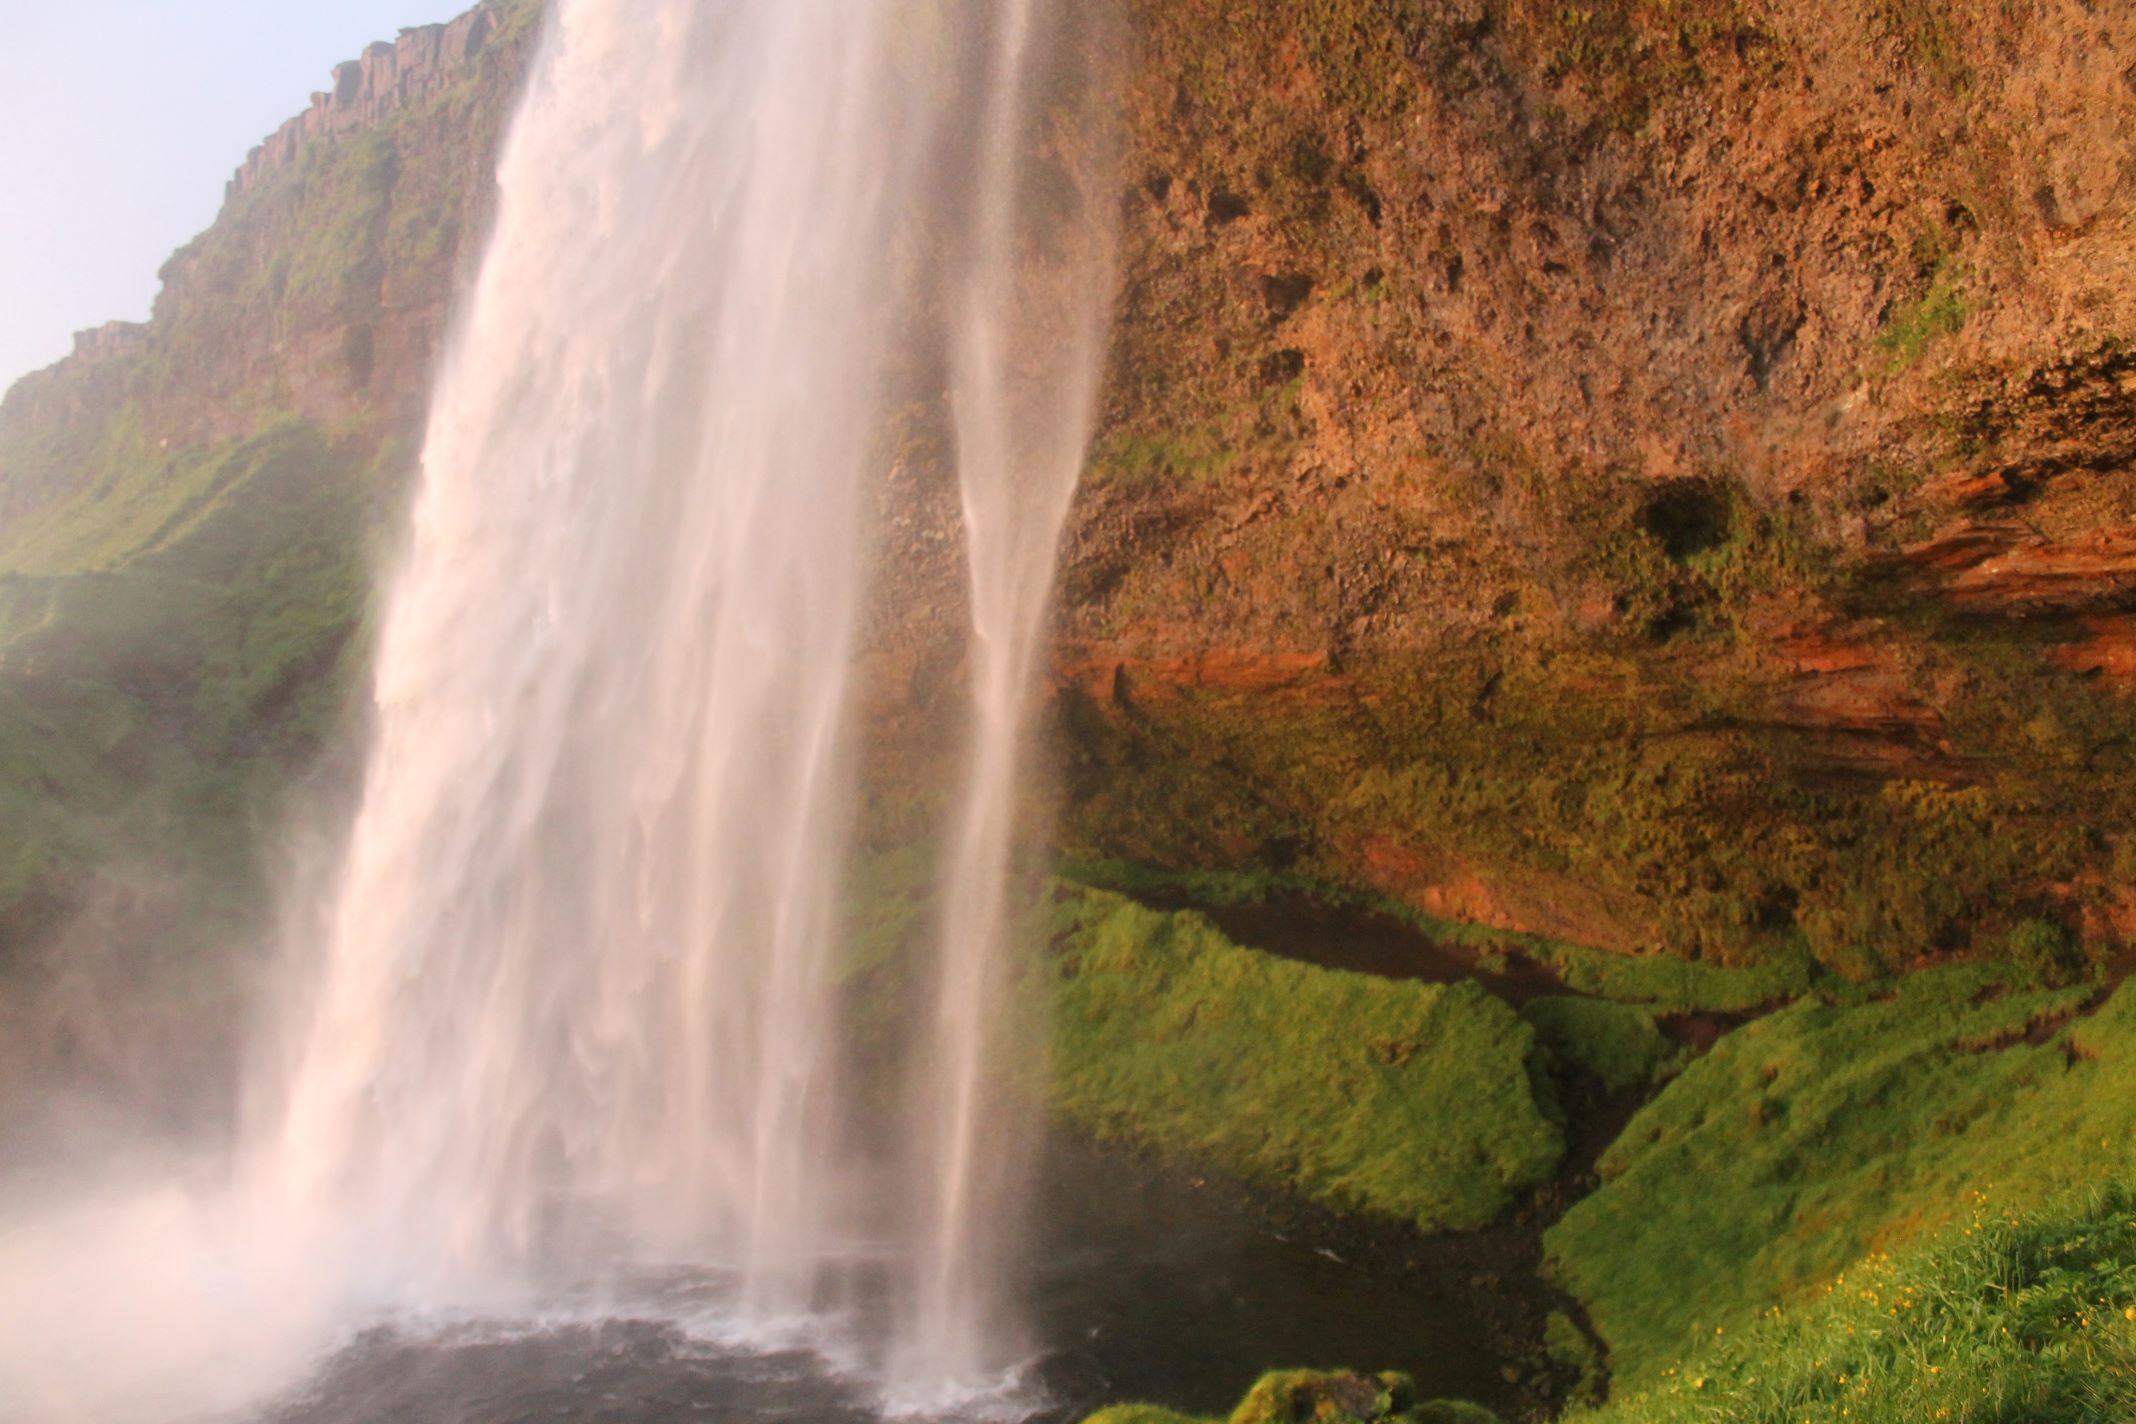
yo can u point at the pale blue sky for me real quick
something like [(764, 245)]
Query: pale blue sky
[(120, 121)]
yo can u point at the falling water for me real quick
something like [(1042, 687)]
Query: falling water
[(577, 957), (1027, 347), (576, 1003)]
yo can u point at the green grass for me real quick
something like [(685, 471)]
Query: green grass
[(183, 662), (1620, 1044), (2006, 1318), (1829, 1129), (1198, 455), (1319, 1397), (1665, 984), (1938, 311), (1398, 1100), (184, 568), (233, 593), (2001, 1318)]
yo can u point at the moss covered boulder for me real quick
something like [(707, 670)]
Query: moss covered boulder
[(1405, 1101), (1321, 1397)]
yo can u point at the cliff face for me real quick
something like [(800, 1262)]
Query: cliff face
[(390, 78), (1648, 473), (1654, 473), (321, 290)]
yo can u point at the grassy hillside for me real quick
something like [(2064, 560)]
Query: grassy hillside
[(191, 517), (1811, 1137), (2007, 1317), (1922, 1156), (174, 648)]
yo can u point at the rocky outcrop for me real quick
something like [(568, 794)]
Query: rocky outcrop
[(1249, 673), (113, 338), (2106, 649), (323, 288), (1844, 688), (2012, 570), (424, 61)]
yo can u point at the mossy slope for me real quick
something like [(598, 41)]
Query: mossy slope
[(1814, 1135), (2004, 1319), (1406, 1101)]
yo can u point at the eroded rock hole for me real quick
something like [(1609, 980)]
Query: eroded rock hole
[(1686, 517), (1226, 207), (1286, 293)]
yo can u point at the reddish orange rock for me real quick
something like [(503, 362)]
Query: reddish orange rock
[(2109, 651)]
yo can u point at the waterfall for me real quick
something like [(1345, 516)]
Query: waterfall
[(576, 960), (1027, 348), (576, 1000)]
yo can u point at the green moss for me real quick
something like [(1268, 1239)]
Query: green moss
[(1620, 1044), (1204, 453), (1809, 1137), (1568, 1349), (2046, 950), (2008, 1317), (1361, 50), (1686, 816), (1914, 325), (1628, 58), (1667, 985), (1320, 1397), (2003, 1317), (1924, 27), (1401, 1100)]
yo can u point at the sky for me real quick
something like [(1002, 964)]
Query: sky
[(120, 121)]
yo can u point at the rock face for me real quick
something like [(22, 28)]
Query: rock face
[(389, 78), (1657, 475), (1694, 441), (324, 286)]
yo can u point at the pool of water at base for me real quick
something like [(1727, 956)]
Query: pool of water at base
[(1142, 1287)]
